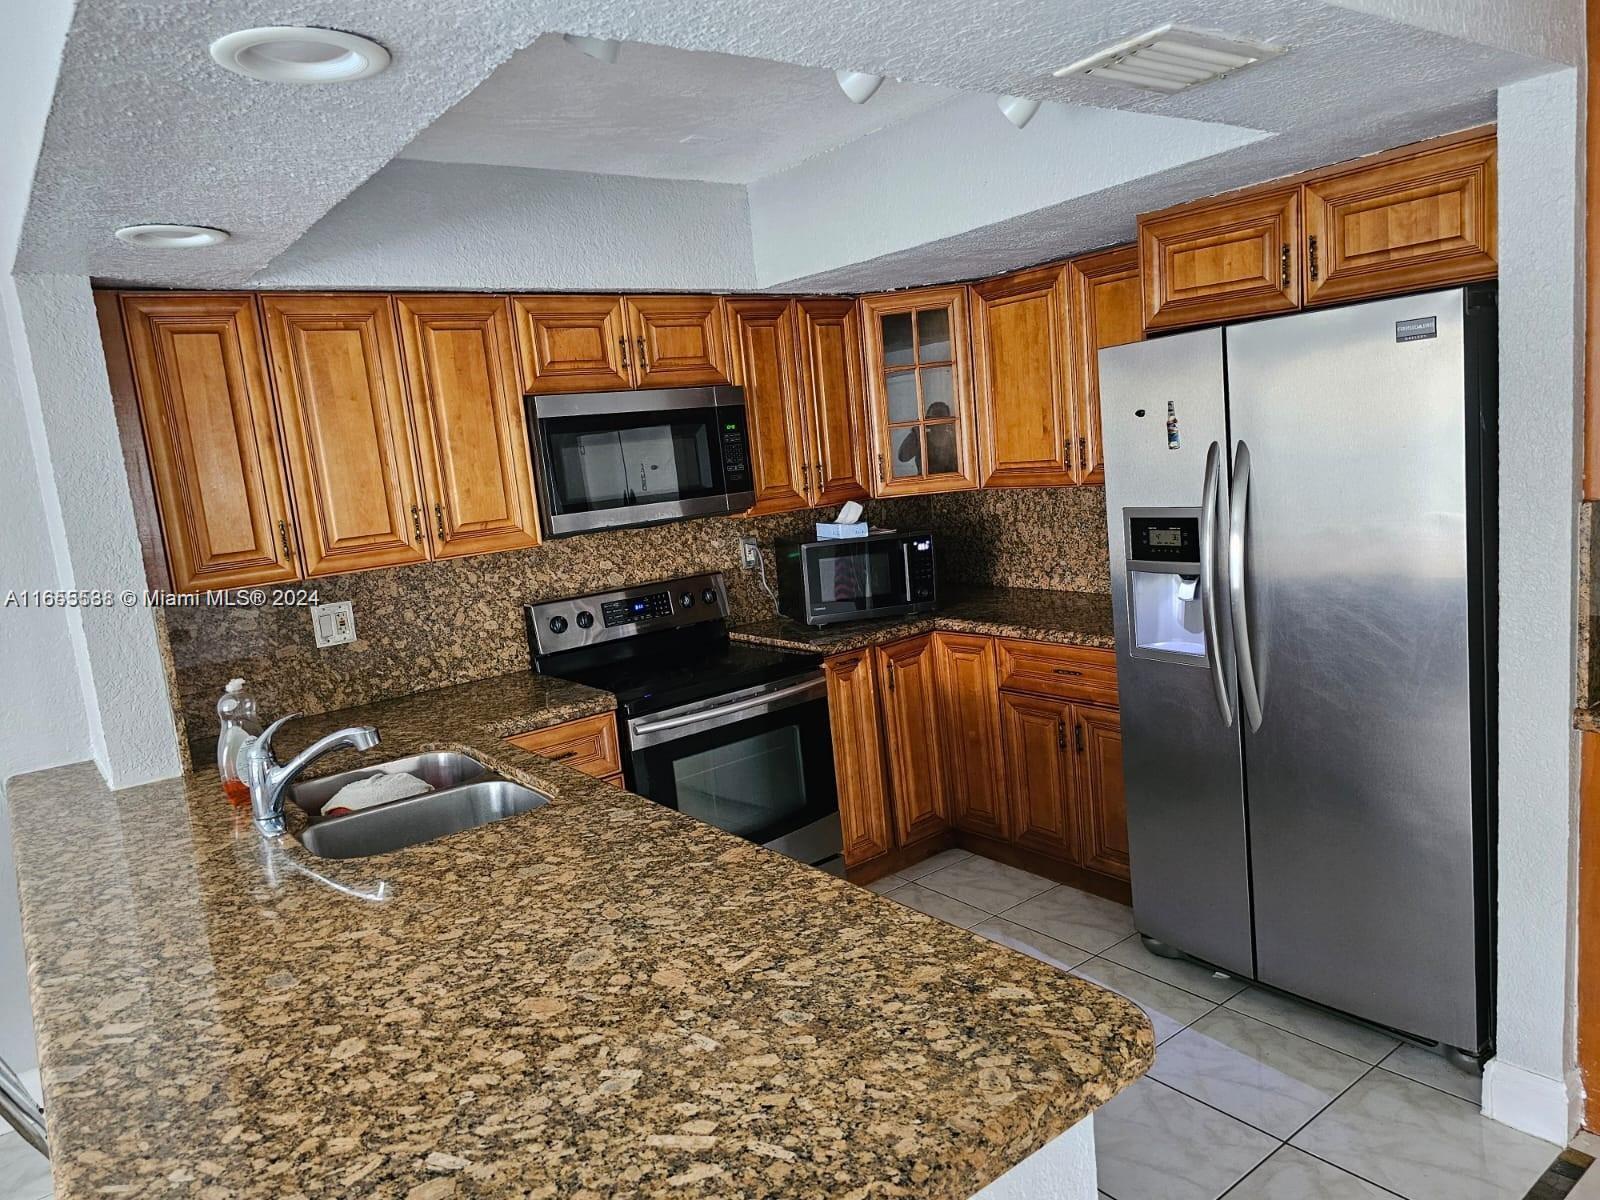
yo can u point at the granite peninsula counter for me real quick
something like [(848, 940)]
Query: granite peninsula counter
[(600, 998)]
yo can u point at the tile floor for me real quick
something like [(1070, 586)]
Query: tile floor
[(1253, 1096), (24, 1172)]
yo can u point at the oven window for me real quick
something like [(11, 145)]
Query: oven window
[(747, 786), (617, 460), (856, 578)]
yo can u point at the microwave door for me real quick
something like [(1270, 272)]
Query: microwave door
[(650, 463)]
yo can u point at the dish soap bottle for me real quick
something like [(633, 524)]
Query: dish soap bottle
[(237, 711)]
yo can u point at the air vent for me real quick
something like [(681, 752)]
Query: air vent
[(1169, 59)]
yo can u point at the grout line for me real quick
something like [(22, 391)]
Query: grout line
[(1402, 1075), (1228, 1003)]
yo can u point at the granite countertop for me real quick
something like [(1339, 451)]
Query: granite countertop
[(1070, 618), (1586, 717), (598, 998)]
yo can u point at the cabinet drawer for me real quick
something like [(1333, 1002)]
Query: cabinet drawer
[(588, 745), (1069, 672)]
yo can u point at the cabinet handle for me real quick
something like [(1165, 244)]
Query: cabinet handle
[(805, 476), (1066, 671), (623, 342), (891, 674), (819, 474), (1311, 252), (644, 358), (1066, 455), (416, 523), (882, 478), (1083, 453), (438, 519), (1061, 734), (283, 537), (1078, 731), (565, 754), (1283, 267)]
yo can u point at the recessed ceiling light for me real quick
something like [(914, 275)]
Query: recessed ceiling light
[(1169, 58), (171, 237), (299, 54)]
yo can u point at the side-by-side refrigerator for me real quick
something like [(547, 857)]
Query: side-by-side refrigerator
[(1301, 514)]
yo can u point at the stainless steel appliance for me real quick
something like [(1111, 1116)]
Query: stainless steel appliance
[(612, 459), (734, 735), (847, 579), (1301, 514)]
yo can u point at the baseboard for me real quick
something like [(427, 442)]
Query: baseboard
[(1527, 1101)]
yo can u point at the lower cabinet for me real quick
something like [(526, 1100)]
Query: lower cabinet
[(912, 735), (1103, 834), (1039, 765), (969, 718), (588, 744), (858, 764)]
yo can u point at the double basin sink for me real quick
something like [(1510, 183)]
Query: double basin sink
[(465, 794)]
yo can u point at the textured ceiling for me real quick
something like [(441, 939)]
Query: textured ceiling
[(658, 112), (145, 128)]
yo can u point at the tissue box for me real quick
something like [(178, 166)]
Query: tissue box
[(833, 529)]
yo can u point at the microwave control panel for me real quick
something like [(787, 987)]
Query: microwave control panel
[(919, 559), (735, 449)]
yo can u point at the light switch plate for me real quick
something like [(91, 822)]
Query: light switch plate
[(334, 624)]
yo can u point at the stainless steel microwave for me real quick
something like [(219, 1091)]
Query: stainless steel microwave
[(848, 579), (613, 459)]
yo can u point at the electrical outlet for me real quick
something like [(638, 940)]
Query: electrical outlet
[(334, 624), (749, 553)]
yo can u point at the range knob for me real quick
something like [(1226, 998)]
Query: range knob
[(686, 600), (585, 618), (558, 624), (709, 595)]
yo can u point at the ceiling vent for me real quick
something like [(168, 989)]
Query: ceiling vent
[(1169, 59)]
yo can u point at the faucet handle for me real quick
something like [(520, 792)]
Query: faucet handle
[(261, 745)]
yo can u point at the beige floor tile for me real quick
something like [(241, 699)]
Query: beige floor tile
[(1034, 945), (982, 883), (1075, 917), (1292, 1174), (1180, 972), (1331, 1030), (936, 904), (1152, 1143), (1170, 1009)]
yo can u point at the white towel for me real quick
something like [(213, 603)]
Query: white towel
[(373, 791)]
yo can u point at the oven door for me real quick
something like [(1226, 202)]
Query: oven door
[(758, 763)]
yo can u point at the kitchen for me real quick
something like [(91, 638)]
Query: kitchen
[(454, 460)]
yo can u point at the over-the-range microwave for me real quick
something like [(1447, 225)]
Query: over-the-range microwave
[(613, 459), (848, 579)]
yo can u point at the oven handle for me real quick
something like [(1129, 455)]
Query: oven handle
[(812, 688)]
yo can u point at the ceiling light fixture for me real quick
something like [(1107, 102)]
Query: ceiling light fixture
[(171, 237), (858, 85), (603, 49), (1019, 110), (1169, 58), (299, 54)]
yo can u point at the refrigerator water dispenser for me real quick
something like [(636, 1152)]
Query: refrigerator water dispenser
[(1164, 584)]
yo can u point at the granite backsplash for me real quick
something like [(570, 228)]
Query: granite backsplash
[(459, 620)]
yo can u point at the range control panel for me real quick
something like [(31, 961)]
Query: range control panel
[(575, 621)]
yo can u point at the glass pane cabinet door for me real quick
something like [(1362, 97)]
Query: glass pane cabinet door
[(923, 397)]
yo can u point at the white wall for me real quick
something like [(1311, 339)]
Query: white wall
[(441, 225), (1548, 29), (1531, 1083)]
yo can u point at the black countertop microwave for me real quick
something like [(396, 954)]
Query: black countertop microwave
[(613, 459), (849, 579)]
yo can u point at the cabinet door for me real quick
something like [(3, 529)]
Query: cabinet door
[(764, 364), (1102, 809), (215, 460), (1023, 379), (912, 735), (572, 344), (919, 389), (1421, 221), (1037, 736), (830, 377), (470, 430), (678, 341), (346, 431), (969, 718), (1104, 312), (858, 756), (1212, 262)]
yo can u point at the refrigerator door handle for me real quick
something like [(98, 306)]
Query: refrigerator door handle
[(1209, 513), (1238, 533)]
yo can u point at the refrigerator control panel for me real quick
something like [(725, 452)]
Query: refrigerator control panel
[(1168, 538)]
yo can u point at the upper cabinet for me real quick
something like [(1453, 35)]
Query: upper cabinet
[(572, 343), (462, 376), (678, 341), (829, 335), (1221, 260), (1023, 379), (765, 364), (919, 391), (1405, 224), (215, 460), (1105, 312), (346, 430)]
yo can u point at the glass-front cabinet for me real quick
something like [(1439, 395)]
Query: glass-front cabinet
[(920, 390)]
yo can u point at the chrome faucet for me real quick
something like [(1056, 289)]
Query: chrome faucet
[(268, 779)]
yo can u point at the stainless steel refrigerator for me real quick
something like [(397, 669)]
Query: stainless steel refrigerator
[(1301, 515)]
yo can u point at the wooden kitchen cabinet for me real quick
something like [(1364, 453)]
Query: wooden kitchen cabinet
[(969, 717), (919, 391), (572, 344), (346, 430), (766, 365), (1105, 308), (913, 734), (472, 438), (1101, 800), (1404, 223), (1037, 732), (588, 744), (858, 762), (678, 341), (1221, 260), (829, 336), (216, 463), (1023, 379)]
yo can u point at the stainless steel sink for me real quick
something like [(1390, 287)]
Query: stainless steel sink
[(439, 770), (418, 819)]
